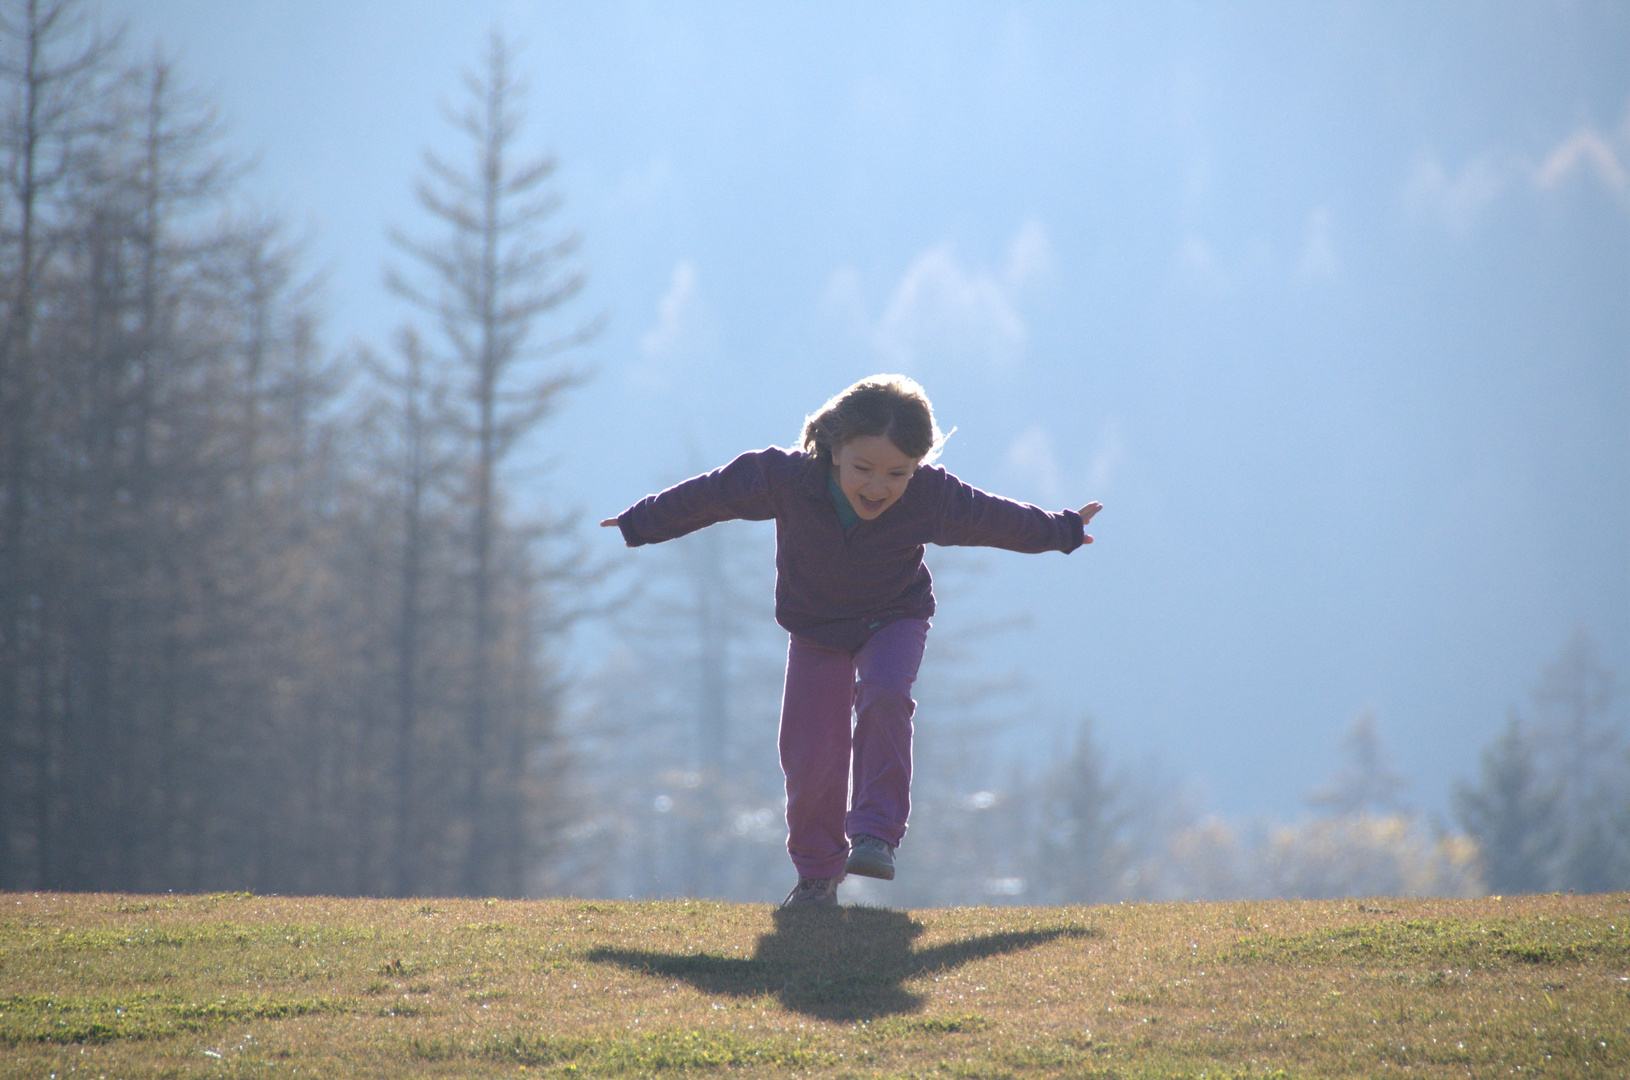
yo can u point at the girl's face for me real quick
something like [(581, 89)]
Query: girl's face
[(873, 473)]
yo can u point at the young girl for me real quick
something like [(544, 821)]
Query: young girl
[(853, 508)]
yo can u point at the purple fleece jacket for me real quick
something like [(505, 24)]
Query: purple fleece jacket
[(836, 588)]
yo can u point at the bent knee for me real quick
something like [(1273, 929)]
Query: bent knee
[(892, 695)]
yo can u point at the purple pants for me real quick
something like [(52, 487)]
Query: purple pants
[(821, 753)]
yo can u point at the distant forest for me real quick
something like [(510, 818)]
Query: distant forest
[(270, 621)]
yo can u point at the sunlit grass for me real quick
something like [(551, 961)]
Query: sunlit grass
[(239, 985)]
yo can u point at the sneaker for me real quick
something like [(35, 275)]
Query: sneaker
[(813, 892), (870, 857)]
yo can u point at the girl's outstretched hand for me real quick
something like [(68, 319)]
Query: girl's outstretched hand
[(611, 523), (1086, 516)]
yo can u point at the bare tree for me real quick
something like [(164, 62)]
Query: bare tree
[(416, 461), (487, 280), (53, 66)]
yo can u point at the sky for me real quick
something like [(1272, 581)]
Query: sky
[(1329, 304)]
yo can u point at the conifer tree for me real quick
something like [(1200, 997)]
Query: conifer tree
[(1365, 782), (1084, 848), (1583, 751), (1512, 814)]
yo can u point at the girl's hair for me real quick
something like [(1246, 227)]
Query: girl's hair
[(891, 405)]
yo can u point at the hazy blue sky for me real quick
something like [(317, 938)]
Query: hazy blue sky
[(1328, 303)]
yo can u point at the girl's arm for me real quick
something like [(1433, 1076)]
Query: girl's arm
[(739, 490), (970, 517)]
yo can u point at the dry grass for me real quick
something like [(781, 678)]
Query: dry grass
[(240, 985)]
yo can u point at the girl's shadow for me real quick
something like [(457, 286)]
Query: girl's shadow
[(844, 963)]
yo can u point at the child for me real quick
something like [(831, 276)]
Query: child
[(853, 508)]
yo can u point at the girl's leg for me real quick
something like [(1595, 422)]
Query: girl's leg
[(815, 708), (887, 666)]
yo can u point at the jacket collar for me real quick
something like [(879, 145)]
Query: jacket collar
[(815, 476)]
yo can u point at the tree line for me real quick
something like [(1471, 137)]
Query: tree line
[(266, 619)]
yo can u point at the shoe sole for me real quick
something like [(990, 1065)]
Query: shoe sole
[(868, 868)]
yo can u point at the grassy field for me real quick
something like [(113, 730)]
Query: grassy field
[(239, 985)]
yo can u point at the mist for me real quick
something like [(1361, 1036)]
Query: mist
[(1328, 306)]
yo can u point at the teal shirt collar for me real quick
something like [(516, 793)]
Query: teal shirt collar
[(846, 510)]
